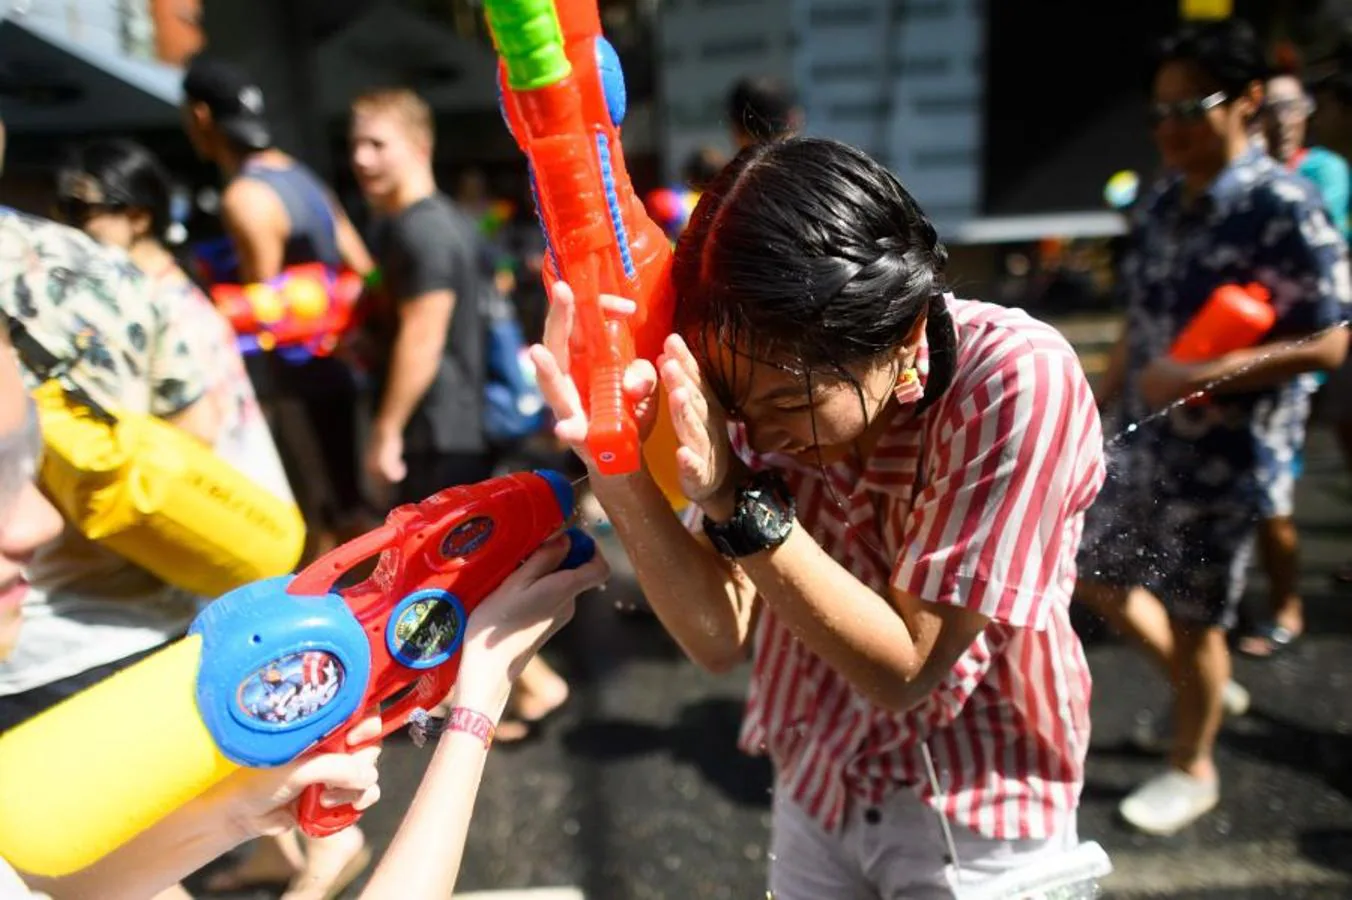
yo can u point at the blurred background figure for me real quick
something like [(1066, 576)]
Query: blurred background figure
[(118, 193), (762, 108), (277, 213)]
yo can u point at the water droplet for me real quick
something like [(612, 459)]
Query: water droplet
[(752, 852), (571, 827)]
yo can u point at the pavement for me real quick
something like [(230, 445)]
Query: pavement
[(636, 791)]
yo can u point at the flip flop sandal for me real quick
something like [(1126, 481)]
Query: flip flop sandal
[(1279, 639)]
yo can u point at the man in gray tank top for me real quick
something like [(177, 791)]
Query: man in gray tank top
[(278, 214)]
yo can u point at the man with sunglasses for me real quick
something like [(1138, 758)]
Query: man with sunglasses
[(1167, 543), (1282, 125)]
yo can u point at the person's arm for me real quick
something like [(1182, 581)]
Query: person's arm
[(1302, 260), (1266, 365), (258, 226), (351, 247), (424, 322), (706, 604), (503, 634), (249, 803)]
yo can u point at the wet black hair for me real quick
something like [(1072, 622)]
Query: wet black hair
[(763, 107), (807, 254), (128, 174), (1227, 51)]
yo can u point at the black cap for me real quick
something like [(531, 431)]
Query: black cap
[(235, 101)]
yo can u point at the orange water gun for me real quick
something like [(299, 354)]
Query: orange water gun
[(1234, 317), (562, 95)]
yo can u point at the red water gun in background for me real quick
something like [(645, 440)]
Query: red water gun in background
[(1233, 318), (562, 94), (302, 313)]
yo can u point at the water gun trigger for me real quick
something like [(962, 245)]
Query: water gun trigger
[(318, 820)]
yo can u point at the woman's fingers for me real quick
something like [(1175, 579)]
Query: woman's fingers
[(555, 385), (640, 380), (559, 323), (361, 799), (691, 430), (619, 306), (677, 349)]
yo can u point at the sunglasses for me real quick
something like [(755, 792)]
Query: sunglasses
[(1190, 111), (77, 211)]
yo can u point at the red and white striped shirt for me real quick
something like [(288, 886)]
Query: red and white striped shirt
[(978, 502)]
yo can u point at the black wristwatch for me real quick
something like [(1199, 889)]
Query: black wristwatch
[(762, 519)]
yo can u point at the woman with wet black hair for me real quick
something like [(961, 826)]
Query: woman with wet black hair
[(887, 488)]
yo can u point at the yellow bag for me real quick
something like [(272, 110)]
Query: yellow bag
[(157, 496)]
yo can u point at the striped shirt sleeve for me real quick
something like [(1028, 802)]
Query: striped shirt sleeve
[(987, 532)]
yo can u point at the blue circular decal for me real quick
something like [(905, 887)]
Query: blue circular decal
[(426, 629), (468, 536), (292, 688)]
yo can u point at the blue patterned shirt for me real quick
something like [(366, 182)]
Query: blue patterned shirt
[(1255, 223)]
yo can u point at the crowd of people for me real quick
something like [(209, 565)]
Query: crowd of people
[(895, 494)]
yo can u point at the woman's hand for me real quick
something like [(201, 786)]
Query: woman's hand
[(705, 456), (258, 802), (552, 361), (510, 626)]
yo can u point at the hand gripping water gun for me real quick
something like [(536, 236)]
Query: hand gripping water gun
[(302, 313), (272, 670), (563, 98), (1234, 317)]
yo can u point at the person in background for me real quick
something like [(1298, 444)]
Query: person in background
[(27, 519), (278, 214), (762, 108), (117, 192), (90, 613), (1167, 543), (1331, 90), (428, 345), (702, 167), (1283, 121)]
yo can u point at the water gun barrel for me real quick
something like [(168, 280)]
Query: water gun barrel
[(86, 776), (1233, 318)]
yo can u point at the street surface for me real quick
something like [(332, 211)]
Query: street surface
[(636, 791)]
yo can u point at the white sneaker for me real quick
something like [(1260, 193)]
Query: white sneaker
[(1169, 802)]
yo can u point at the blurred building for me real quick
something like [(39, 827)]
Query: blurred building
[(901, 79)]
